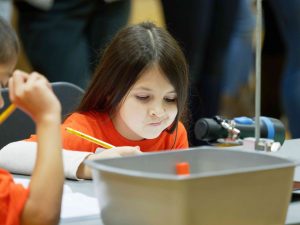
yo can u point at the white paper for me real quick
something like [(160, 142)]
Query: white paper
[(74, 204), (77, 205)]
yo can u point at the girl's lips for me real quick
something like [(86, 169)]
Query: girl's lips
[(156, 124)]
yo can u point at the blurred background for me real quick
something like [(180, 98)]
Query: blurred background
[(216, 36), (141, 10)]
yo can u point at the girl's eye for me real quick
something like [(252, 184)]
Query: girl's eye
[(170, 99), (142, 98)]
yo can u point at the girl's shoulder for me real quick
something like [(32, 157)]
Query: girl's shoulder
[(91, 121), (181, 128), (89, 115), (182, 137)]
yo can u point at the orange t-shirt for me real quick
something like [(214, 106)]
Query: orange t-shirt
[(100, 126), (12, 199)]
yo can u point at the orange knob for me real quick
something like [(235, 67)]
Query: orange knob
[(183, 168)]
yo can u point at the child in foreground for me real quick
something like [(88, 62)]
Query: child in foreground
[(17, 204), (135, 100)]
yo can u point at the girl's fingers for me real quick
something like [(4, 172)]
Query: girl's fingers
[(15, 87), (127, 151)]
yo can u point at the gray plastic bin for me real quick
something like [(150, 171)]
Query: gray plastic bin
[(224, 187)]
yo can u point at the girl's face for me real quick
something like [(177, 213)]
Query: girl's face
[(5, 73), (149, 107)]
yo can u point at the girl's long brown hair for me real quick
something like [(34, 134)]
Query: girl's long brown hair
[(131, 51)]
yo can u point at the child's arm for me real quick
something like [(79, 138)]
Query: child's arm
[(32, 94), (47, 178), (27, 150), (74, 168)]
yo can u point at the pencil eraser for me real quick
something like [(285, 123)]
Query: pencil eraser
[(183, 168)]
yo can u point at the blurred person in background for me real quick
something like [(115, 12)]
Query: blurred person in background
[(204, 29), (237, 98), (62, 38), (281, 52)]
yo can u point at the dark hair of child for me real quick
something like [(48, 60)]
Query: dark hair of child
[(133, 50), (9, 44)]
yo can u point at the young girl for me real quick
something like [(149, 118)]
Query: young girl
[(17, 204), (136, 97)]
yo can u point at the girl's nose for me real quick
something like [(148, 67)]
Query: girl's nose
[(157, 112)]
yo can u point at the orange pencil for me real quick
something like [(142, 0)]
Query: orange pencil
[(7, 113), (89, 138)]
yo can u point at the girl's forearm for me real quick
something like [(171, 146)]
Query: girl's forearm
[(47, 180)]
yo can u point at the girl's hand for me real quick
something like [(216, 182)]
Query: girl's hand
[(84, 172), (32, 93), (116, 152)]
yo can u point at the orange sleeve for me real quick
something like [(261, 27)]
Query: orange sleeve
[(182, 139), (12, 199)]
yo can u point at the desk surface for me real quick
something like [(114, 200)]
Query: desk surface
[(85, 187)]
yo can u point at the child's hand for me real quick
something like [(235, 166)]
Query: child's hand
[(32, 93), (116, 152), (84, 172)]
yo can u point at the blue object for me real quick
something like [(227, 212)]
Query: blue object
[(270, 126), (243, 120)]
